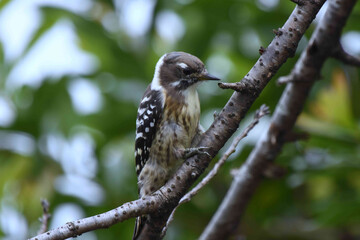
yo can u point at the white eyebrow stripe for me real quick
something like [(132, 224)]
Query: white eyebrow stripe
[(155, 84), (182, 65)]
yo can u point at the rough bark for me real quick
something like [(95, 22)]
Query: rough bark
[(280, 49), (321, 45)]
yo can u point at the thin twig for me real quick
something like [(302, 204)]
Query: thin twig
[(244, 86), (234, 86), (325, 37), (285, 80), (264, 110), (340, 54), (293, 78), (45, 217)]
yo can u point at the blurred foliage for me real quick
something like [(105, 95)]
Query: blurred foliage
[(319, 198)]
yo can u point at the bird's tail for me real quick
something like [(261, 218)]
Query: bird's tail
[(139, 225)]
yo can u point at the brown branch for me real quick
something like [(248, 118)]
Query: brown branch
[(162, 202), (242, 86), (280, 49), (234, 86), (324, 39), (264, 110), (340, 54), (291, 78), (45, 217), (126, 211)]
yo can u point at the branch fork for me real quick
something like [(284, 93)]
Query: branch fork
[(261, 112)]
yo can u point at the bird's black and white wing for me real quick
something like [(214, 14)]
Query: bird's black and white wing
[(148, 118)]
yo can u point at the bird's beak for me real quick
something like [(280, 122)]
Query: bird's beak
[(207, 76)]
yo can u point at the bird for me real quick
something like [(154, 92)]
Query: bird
[(167, 124)]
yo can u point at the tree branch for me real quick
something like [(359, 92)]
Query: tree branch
[(162, 202), (126, 211), (340, 54), (45, 217), (264, 110), (280, 49), (324, 39)]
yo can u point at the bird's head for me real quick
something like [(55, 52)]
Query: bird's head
[(179, 71)]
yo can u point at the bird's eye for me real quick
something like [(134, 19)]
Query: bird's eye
[(187, 71)]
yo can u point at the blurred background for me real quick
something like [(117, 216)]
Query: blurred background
[(72, 74)]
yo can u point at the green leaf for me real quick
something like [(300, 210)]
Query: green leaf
[(3, 4)]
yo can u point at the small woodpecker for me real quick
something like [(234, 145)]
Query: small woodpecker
[(167, 122)]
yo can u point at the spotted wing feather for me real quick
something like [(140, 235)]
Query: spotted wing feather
[(148, 118)]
